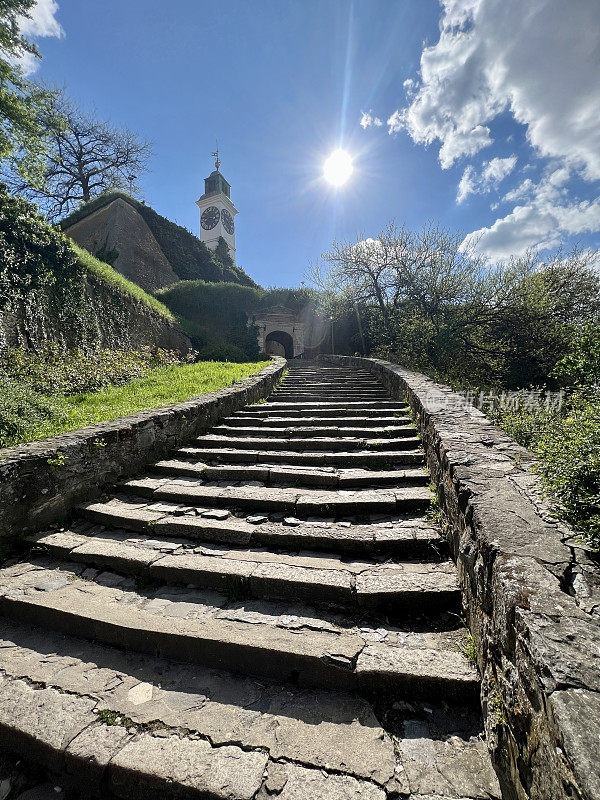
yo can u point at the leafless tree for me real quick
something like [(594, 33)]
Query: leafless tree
[(86, 157)]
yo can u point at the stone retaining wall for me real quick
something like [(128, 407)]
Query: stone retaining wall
[(40, 482), (531, 595), (108, 318)]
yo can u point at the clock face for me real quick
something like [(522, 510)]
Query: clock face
[(227, 221), (210, 217)]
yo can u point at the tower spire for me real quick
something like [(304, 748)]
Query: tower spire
[(215, 155)]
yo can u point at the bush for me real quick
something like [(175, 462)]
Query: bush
[(35, 259), (581, 365), (567, 443), (55, 371), (23, 410), (222, 352)]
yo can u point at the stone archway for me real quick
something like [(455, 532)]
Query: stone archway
[(279, 343)]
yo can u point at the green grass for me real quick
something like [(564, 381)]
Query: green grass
[(111, 276), (163, 386)]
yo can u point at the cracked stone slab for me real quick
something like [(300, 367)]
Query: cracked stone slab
[(174, 767), (293, 782), (41, 722)]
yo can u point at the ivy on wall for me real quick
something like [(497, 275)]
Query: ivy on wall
[(48, 295)]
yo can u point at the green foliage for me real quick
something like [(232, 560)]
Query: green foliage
[(44, 271), (200, 300), (468, 647), (114, 278), (27, 416), (22, 135), (52, 370), (35, 258), (567, 443), (431, 302), (23, 411), (214, 315), (221, 351), (581, 365), (190, 258)]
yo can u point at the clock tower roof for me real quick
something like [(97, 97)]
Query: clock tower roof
[(215, 184)]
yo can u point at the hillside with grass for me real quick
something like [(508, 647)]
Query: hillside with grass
[(145, 246), (52, 292)]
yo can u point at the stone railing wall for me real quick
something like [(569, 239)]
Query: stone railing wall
[(42, 481), (531, 596)]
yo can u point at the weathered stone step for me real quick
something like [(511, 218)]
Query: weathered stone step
[(255, 573), (242, 419), (286, 642), (264, 410), (272, 475), (402, 538), (337, 395), (302, 502), (220, 736), (366, 458), (311, 431), (327, 444), (329, 405)]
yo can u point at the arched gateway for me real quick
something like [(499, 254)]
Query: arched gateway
[(280, 331)]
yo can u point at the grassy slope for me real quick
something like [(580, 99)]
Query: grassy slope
[(164, 386), (114, 278)]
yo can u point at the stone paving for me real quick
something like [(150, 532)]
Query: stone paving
[(269, 613)]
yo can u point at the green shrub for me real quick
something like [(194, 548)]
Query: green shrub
[(581, 365), (222, 352), (567, 443), (35, 259), (23, 410), (52, 370)]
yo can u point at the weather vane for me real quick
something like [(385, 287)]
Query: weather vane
[(215, 155)]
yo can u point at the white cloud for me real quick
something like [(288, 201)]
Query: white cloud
[(42, 20), (545, 217), (493, 172), (40, 23), (537, 60), (368, 120)]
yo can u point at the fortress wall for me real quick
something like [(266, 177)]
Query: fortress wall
[(108, 318)]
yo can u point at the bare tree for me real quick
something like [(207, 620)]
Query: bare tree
[(86, 157)]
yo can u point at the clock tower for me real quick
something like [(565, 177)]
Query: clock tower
[(217, 211)]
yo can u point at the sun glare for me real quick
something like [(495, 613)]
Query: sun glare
[(338, 168)]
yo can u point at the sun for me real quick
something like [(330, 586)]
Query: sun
[(338, 168)]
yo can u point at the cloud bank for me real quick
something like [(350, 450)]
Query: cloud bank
[(41, 23)]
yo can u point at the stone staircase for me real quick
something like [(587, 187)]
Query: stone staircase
[(269, 613)]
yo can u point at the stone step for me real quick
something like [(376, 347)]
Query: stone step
[(337, 395), (242, 419), (264, 410), (157, 728), (311, 431), (327, 444), (281, 641), (401, 538), (301, 502), (273, 475), (395, 588), (366, 458), (273, 404)]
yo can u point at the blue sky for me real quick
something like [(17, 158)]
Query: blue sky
[(480, 114)]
